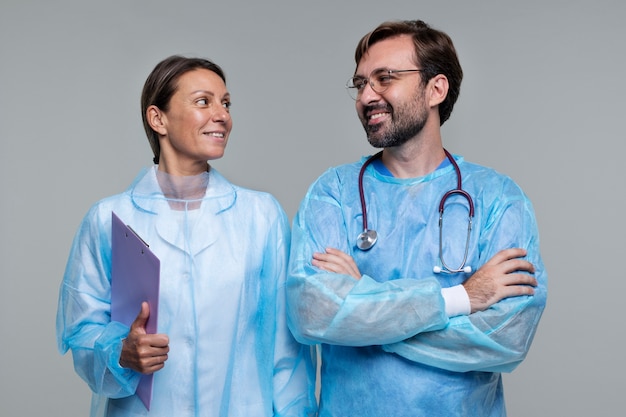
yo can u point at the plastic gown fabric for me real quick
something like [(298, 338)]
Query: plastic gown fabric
[(223, 265), (388, 348)]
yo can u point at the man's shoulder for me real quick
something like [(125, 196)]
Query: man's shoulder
[(483, 171), (342, 170), (487, 181)]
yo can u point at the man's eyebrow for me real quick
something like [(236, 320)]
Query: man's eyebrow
[(374, 71)]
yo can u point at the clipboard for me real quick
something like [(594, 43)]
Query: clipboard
[(135, 276)]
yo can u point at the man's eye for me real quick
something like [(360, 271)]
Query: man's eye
[(383, 79), (359, 84)]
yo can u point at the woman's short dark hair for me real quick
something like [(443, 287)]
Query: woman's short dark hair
[(434, 52), (161, 85)]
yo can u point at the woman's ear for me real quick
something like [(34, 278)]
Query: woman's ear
[(157, 120), (439, 89)]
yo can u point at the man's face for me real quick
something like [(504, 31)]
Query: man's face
[(399, 113)]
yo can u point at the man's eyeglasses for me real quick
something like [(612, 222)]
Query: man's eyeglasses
[(380, 80)]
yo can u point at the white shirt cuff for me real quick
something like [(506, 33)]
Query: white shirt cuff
[(456, 300)]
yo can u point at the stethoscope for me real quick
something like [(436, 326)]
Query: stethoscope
[(367, 239)]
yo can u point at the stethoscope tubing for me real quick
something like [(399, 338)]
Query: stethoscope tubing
[(367, 239), (459, 187), (361, 192)]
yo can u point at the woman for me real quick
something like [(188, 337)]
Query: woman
[(222, 347)]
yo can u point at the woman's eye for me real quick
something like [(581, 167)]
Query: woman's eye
[(227, 104), (202, 101)]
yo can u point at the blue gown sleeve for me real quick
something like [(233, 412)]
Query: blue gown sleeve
[(496, 339), (294, 363), (337, 309), (83, 323)]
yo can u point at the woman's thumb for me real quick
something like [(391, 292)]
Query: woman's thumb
[(142, 317)]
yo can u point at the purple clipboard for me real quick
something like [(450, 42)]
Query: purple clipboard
[(135, 275)]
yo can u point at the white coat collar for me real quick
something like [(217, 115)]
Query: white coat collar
[(220, 196)]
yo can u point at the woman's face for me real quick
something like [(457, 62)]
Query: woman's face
[(195, 129)]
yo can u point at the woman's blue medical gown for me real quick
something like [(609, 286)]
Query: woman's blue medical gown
[(221, 303), (388, 348)]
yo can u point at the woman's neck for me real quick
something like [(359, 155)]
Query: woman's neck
[(181, 189)]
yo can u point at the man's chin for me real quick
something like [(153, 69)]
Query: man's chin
[(376, 142)]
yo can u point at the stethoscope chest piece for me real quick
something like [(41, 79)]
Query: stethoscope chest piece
[(366, 239)]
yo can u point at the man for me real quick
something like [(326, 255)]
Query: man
[(422, 322)]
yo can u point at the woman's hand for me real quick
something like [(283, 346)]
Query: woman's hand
[(142, 352)]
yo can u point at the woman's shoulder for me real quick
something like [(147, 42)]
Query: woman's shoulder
[(99, 213), (246, 197), (257, 199)]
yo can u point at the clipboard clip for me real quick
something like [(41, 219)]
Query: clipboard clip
[(137, 235)]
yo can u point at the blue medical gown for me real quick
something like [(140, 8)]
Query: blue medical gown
[(221, 303), (388, 348)]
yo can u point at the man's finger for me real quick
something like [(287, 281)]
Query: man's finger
[(505, 255)]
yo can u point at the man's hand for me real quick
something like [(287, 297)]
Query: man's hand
[(142, 352), (501, 277), (334, 260)]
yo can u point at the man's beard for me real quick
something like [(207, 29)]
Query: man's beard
[(406, 122)]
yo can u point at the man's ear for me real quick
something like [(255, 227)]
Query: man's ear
[(438, 89), (157, 120)]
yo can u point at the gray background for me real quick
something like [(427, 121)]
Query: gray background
[(541, 101)]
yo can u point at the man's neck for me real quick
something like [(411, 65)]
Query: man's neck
[(414, 158)]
